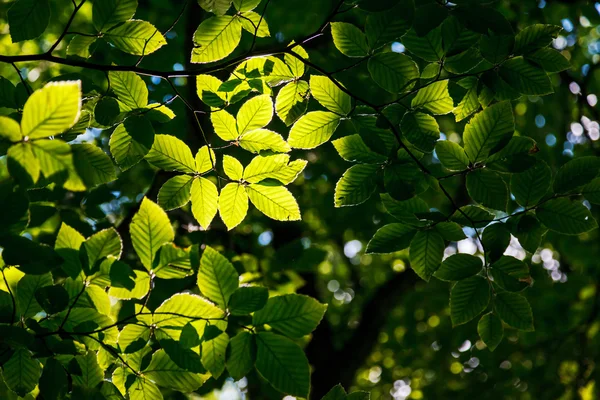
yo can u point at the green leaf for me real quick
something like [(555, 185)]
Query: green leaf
[(28, 19), (326, 92), (91, 375), (207, 88), (144, 389), (490, 330), (450, 231), (428, 47), (205, 160), (131, 141), (92, 164), (514, 310), (247, 299), (275, 202), (79, 46), (470, 101), (164, 372), (426, 253), (175, 192), (292, 101), (10, 129), (245, 5), (224, 125), (27, 304), (349, 40), (104, 243), (591, 191), (356, 185), (141, 284), (205, 198), (404, 180), (68, 242), (296, 65), (435, 98), (136, 37), (218, 7), (54, 156), (21, 372), (129, 88), (150, 228), (510, 274), (549, 59), (525, 77), (487, 188), (133, 337), (283, 364), (255, 24), (23, 164), (171, 154), (496, 48), (495, 240), (217, 278), (213, 354), (451, 155), (313, 129), (422, 130), (263, 139), (254, 114), (384, 27), (216, 38), (529, 231), (51, 110), (468, 298), (53, 382), (535, 37), (352, 148), (472, 216), (394, 72), (277, 166), (458, 267), (174, 262), (576, 173), (489, 131), (530, 186), (293, 315), (233, 168), (241, 354), (391, 238), (106, 14), (566, 217), (233, 205)]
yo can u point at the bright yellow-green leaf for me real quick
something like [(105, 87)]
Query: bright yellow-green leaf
[(245, 5), (164, 372), (141, 287), (54, 156), (175, 192), (9, 129), (205, 199), (254, 114), (224, 125), (275, 202), (129, 88), (150, 228), (275, 166), (233, 204), (291, 101), (263, 139), (23, 165), (217, 277), (232, 167), (136, 37), (313, 129), (294, 315), (108, 13), (255, 24), (394, 72), (330, 95), (171, 154), (52, 109), (349, 40), (216, 38), (207, 88), (434, 98), (489, 131), (131, 141), (213, 354), (296, 66), (205, 159), (218, 7)]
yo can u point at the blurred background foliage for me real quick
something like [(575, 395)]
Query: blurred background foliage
[(385, 330)]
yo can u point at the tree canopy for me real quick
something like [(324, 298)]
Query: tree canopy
[(301, 199)]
